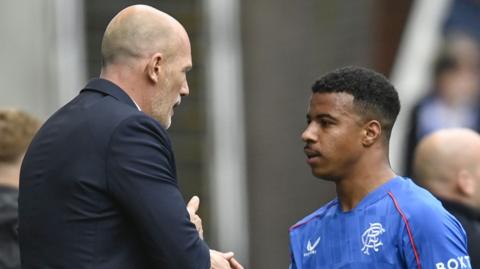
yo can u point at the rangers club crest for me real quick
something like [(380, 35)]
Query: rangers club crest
[(370, 238)]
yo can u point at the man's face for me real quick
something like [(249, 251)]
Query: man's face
[(174, 84), (333, 135)]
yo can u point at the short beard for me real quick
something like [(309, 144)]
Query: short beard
[(161, 116), (158, 113)]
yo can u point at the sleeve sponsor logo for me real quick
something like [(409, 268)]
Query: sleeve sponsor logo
[(455, 263)]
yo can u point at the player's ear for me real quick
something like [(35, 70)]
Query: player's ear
[(154, 66), (372, 131)]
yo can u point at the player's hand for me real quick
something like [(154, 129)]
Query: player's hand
[(219, 260), (192, 208)]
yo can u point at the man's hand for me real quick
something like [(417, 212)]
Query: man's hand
[(221, 260), (192, 208), (218, 259), (235, 264)]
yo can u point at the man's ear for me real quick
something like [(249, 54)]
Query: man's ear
[(372, 131), (466, 183), (154, 66)]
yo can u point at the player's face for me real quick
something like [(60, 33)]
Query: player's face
[(333, 135)]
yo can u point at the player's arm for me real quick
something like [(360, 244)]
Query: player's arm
[(292, 262), (434, 239), (293, 247)]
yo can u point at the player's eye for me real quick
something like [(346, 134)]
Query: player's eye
[(325, 123)]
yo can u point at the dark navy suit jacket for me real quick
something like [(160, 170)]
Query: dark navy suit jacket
[(98, 189)]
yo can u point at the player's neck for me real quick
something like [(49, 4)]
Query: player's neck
[(352, 189)]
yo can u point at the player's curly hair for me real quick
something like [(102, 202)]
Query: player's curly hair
[(373, 95), (17, 129)]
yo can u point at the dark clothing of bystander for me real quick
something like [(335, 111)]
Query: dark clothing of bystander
[(9, 252), (470, 219)]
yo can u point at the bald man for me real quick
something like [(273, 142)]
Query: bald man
[(447, 163), (98, 186)]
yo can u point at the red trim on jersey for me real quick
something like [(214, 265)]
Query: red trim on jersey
[(310, 219), (417, 257), (303, 223)]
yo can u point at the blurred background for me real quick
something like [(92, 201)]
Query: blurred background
[(237, 136)]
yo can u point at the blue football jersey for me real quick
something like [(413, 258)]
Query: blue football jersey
[(398, 225)]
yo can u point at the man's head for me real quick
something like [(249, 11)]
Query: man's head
[(456, 70), (147, 53), (352, 110), (17, 129), (447, 162)]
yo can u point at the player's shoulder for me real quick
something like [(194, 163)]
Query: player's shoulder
[(430, 232), (314, 217), (414, 200), (421, 209)]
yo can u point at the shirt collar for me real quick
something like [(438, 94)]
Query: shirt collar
[(138, 107)]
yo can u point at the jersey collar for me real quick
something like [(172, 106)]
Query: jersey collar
[(375, 195)]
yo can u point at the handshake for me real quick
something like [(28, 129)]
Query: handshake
[(218, 260)]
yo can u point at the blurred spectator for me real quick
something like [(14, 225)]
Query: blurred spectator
[(16, 131), (464, 15), (454, 98), (447, 163)]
